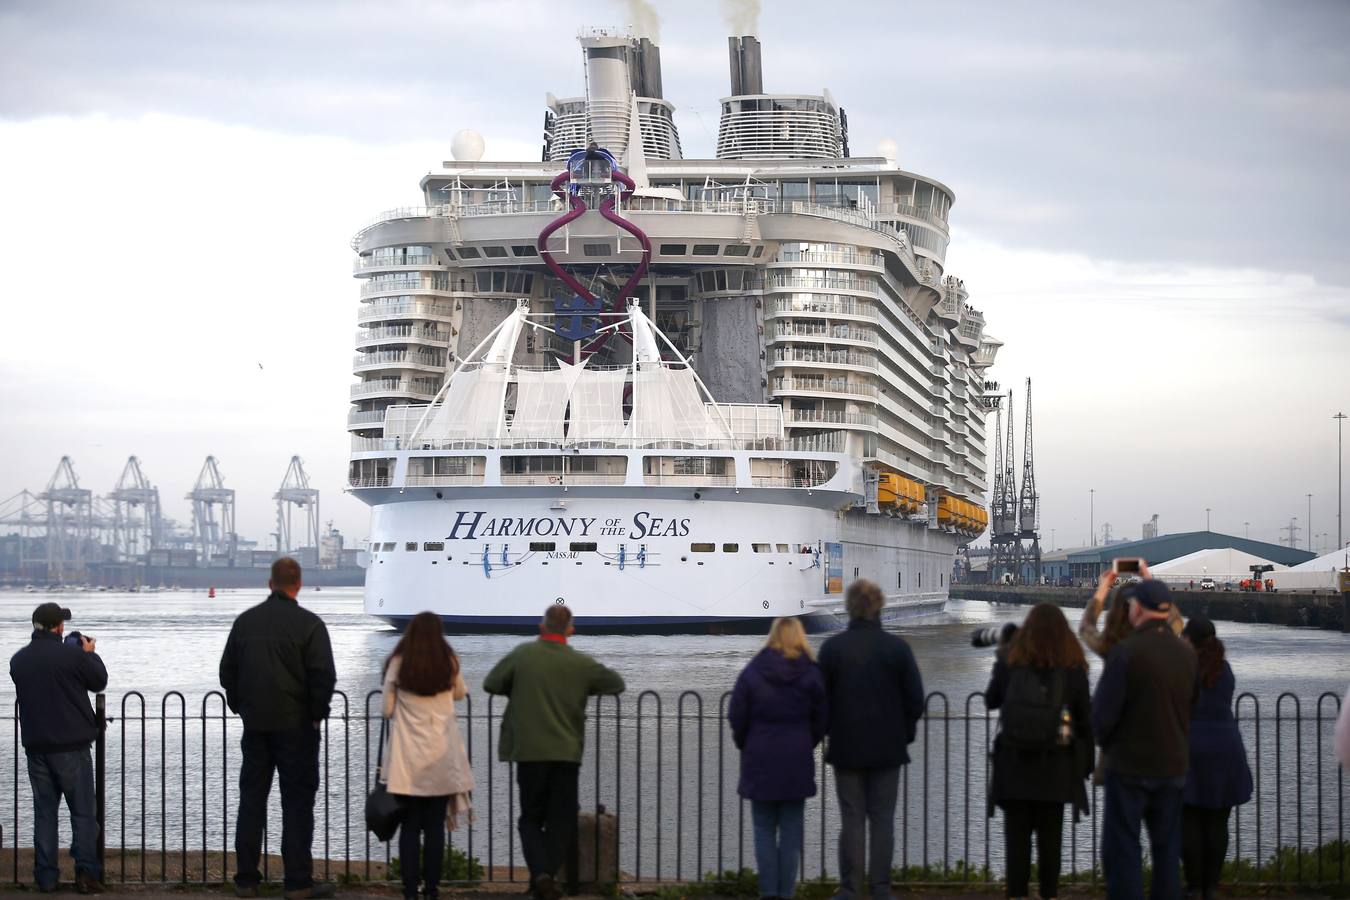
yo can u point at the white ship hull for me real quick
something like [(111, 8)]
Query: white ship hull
[(651, 570)]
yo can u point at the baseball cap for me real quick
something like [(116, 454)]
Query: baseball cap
[(1150, 594), (50, 615)]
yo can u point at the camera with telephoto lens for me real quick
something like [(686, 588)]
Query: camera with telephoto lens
[(994, 635), (75, 639)]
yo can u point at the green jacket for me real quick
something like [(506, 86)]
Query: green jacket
[(547, 684)]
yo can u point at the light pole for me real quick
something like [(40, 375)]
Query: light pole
[(1207, 518), (1092, 517), (1340, 418), (1246, 529), (1309, 523)]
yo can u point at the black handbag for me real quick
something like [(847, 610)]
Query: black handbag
[(384, 811)]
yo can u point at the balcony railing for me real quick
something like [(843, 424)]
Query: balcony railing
[(404, 310), (809, 356), (831, 417), (820, 305), (824, 385), (427, 389), (394, 334), (419, 261), (397, 358), (788, 331)]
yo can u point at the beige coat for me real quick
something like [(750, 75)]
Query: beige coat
[(425, 756)]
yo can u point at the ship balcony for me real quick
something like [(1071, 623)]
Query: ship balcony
[(404, 310), (840, 334), (413, 389), (404, 286), (818, 307), (369, 481), (807, 357), (839, 387), (365, 419), (445, 480), (369, 265), (398, 359), (870, 259), (401, 334), (823, 418)]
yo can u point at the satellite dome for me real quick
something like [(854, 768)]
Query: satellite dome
[(889, 149), (467, 145)]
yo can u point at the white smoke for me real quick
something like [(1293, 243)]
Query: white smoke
[(742, 16), (644, 19)]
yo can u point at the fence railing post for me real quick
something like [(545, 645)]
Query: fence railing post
[(100, 775)]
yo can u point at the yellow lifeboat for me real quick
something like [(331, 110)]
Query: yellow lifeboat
[(890, 489), (917, 496), (946, 510)]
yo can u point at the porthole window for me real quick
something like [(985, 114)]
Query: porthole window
[(762, 548), (731, 548), (389, 546), (702, 548), (434, 546), (582, 546), (410, 546), (543, 546)]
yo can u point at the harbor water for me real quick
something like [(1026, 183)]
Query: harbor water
[(663, 759)]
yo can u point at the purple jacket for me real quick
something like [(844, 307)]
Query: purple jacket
[(777, 715)]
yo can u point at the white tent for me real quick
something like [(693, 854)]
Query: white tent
[(1221, 564), (1318, 574)]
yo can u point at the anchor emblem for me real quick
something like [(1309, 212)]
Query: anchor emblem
[(577, 318)]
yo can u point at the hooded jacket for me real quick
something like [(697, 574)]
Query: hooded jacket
[(778, 716)]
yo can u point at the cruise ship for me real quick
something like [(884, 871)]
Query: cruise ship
[(677, 395)]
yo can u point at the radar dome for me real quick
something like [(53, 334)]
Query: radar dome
[(467, 146), (889, 149)]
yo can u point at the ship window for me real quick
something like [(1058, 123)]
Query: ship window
[(759, 251), (899, 580), (543, 546), (738, 250), (762, 548), (448, 252), (523, 465), (595, 250), (410, 546), (468, 252), (389, 546), (582, 546), (524, 250), (705, 249), (674, 249), (434, 546), (731, 548), (795, 190), (920, 581), (699, 465), (494, 252), (942, 579), (702, 548), (783, 548)]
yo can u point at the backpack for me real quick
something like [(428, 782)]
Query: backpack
[(1031, 709)]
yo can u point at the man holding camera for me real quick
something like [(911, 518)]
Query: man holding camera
[(53, 677), (1141, 715)]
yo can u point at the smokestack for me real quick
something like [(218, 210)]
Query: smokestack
[(734, 51), (752, 72), (648, 69)]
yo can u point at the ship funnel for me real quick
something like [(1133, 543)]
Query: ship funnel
[(747, 73)]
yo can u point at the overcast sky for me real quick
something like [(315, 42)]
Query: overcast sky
[(1152, 210)]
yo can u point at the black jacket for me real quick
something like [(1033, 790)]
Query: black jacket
[(1141, 712), (53, 681), (874, 694), (1047, 776), (277, 669)]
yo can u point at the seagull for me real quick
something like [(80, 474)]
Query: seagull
[(259, 365)]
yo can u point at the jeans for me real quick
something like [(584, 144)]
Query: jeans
[(778, 844), (54, 775), (866, 803), (294, 756), (548, 814), (1020, 819), (1157, 803), (1204, 844), (422, 830)]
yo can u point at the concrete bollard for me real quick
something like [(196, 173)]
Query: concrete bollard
[(600, 867)]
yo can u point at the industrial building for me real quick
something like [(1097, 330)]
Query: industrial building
[(1088, 563)]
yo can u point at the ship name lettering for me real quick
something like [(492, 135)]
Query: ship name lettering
[(470, 525), (647, 525)]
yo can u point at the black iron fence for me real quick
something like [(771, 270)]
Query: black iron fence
[(664, 767)]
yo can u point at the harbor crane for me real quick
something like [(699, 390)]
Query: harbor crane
[(26, 511), (212, 535), (1003, 533), (296, 494), (70, 514), (137, 526), (1029, 505)]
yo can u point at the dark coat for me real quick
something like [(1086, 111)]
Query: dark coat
[(875, 697), (52, 681), (277, 668), (777, 716), (1047, 776), (1219, 776), (1141, 712)]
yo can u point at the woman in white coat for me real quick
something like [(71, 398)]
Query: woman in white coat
[(426, 764)]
